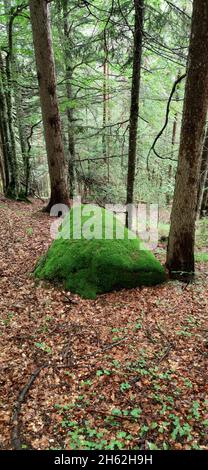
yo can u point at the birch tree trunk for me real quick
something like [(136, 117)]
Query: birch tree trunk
[(180, 255), (40, 19)]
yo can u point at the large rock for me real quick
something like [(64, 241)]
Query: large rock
[(94, 253)]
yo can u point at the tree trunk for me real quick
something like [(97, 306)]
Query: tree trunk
[(109, 137), (4, 157), (180, 255), (204, 208), (173, 143), (12, 189), (22, 131), (2, 166), (69, 92), (105, 94), (4, 137), (40, 19), (134, 111), (203, 175), (14, 183), (106, 108), (9, 159)]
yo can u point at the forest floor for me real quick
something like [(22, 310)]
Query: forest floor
[(125, 371)]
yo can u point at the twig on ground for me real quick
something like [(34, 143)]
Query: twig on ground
[(165, 354), (15, 439)]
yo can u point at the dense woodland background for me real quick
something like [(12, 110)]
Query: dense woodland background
[(93, 47), (114, 75)]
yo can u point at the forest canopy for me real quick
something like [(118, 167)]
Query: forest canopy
[(93, 48)]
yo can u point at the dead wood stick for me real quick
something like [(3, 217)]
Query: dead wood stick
[(116, 343), (15, 439), (168, 349)]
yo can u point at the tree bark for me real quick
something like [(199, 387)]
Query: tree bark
[(180, 254), (203, 175), (104, 111), (2, 165), (4, 133), (173, 142), (204, 208), (4, 162), (7, 98), (22, 131), (134, 111), (40, 19), (106, 108), (69, 92), (14, 183), (9, 163)]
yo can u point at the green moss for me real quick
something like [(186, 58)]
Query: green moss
[(98, 264), (201, 257)]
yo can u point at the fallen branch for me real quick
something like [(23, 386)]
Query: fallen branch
[(15, 439), (152, 148), (116, 343), (165, 354)]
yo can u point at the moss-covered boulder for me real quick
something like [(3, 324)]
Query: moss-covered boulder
[(94, 253)]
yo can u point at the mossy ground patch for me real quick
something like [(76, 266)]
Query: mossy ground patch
[(94, 253)]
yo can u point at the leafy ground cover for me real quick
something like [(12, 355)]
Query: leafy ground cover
[(125, 371)]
